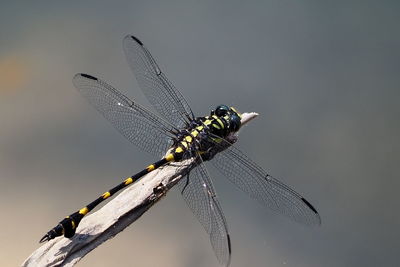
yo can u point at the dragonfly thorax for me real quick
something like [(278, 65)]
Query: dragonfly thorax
[(204, 132)]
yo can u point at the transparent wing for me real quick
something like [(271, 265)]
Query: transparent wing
[(198, 192), (259, 185), (160, 92), (137, 124)]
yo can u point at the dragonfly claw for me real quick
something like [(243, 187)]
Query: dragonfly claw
[(66, 227), (53, 233)]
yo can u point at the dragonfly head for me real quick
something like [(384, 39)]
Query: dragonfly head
[(231, 116)]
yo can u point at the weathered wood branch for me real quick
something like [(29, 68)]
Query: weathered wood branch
[(113, 217)]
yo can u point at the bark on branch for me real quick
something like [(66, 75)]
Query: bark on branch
[(113, 217)]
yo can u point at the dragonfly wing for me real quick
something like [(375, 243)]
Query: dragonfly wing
[(198, 192), (259, 185), (138, 125), (160, 92)]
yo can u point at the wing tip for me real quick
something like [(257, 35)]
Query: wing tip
[(311, 207)]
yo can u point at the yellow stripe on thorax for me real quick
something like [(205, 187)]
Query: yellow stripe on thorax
[(217, 119), (216, 126), (220, 123)]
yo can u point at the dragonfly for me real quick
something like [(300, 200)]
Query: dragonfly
[(176, 135)]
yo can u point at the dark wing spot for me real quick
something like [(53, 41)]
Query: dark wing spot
[(88, 76), (137, 40), (309, 205), (229, 244)]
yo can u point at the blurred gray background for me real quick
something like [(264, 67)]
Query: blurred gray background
[(323, 76)]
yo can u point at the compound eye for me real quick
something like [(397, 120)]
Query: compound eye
[(234, 123), (221, 110)]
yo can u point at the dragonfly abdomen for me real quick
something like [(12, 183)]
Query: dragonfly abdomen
[(68, 225)]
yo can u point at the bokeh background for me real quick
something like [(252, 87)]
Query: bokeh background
[(323, 76)]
